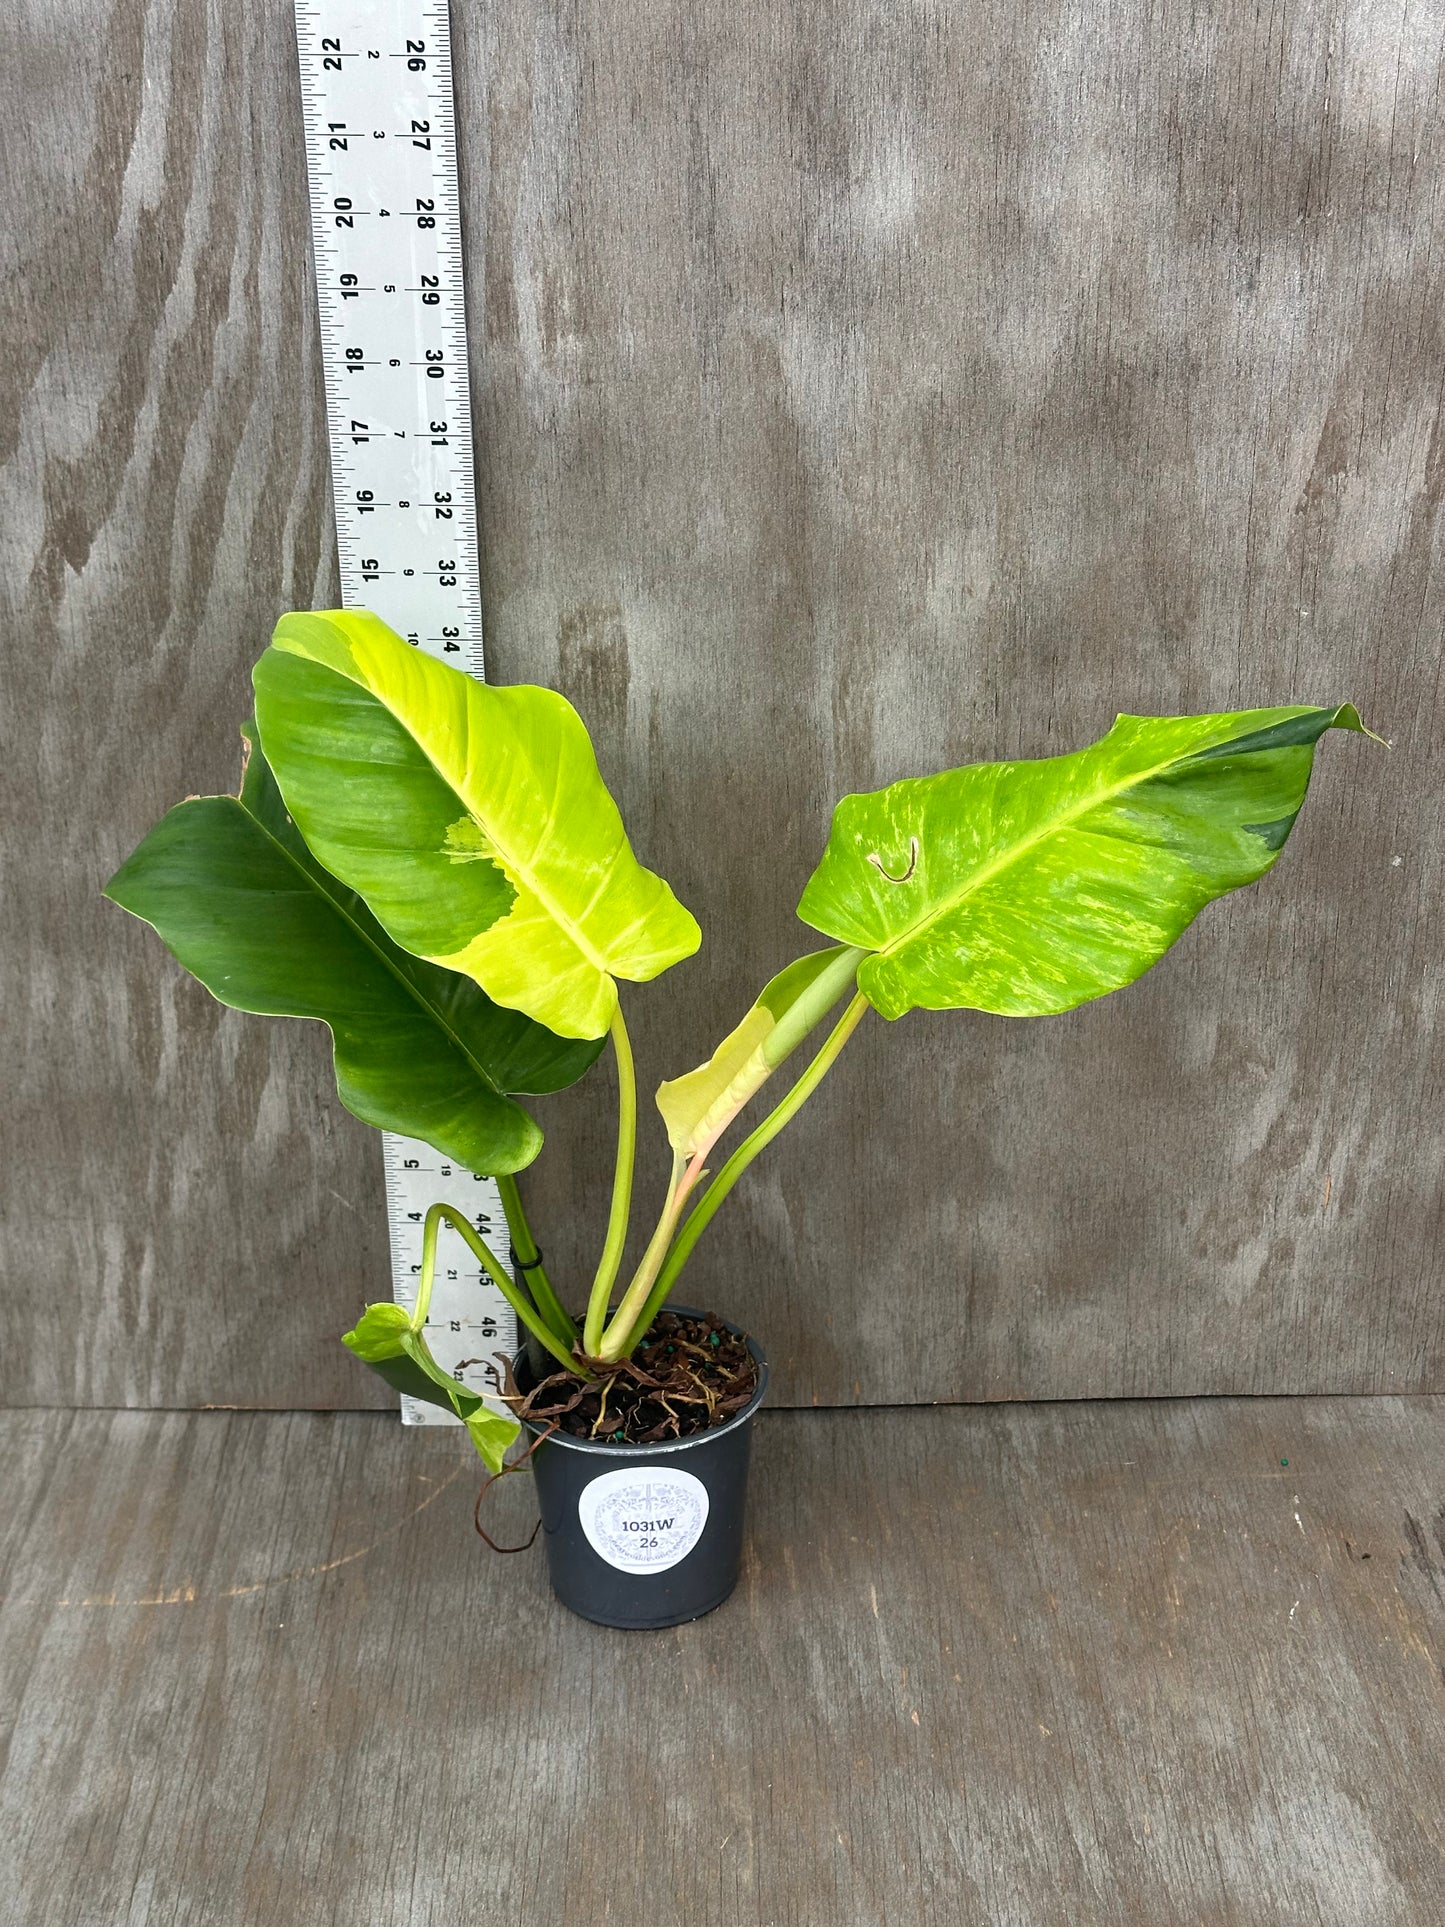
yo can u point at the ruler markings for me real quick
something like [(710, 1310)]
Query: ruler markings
[(376, 92)]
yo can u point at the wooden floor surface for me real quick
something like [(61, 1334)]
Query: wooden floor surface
[(1053, 1665)]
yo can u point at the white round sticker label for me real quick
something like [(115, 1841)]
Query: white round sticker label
[(644, 1518)]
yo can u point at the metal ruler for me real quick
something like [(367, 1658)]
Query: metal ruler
[(381, 156)]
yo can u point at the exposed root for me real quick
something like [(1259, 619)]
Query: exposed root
[(686, 1376)]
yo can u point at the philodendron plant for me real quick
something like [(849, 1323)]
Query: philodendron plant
[(435, 869)]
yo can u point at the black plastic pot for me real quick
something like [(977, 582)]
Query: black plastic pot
[(645, 1535)]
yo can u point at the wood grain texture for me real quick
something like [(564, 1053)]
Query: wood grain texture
[(1118, 1665), (175, 1173), (860, 390)]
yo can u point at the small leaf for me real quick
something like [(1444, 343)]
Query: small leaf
[(491, 1433), (383, 1338), (698, 1107), (381, 1332), (472, 819), (1028, 888)]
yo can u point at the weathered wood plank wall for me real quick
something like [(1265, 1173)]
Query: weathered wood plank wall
[(860, 389)]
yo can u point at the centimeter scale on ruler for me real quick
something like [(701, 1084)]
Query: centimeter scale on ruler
[(376, 89)]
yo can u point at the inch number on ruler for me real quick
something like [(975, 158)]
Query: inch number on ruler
[(376, 89)]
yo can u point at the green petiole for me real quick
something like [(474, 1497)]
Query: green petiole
[(620, 1339), (611, 1259), (496, 1271)]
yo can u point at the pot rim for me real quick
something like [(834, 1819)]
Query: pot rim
[(604, 1448)]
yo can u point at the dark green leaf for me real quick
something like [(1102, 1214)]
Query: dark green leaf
[(234, 893)]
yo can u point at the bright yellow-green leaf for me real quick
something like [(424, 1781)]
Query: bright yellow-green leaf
[(472, 819), (385, 1339), (1027, 888), (237, 897), (698, 1108)]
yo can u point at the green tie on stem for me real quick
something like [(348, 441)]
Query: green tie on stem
[(495, 1270), (529, 1263)]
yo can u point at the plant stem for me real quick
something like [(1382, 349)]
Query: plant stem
[(497, 1272), (620, 1343), (611, 1259), (428, 1269), (688, 1170), (534, 1274), (681, 1182)]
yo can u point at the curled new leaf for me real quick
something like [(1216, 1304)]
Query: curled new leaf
[(1027, 888), (473, 820), (698, 1107)]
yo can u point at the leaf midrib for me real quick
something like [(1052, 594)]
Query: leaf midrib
[(364, 681), (365, 936), (1018, 850), (547, 901), (508, 857)]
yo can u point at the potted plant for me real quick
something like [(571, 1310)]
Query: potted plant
[(434, 868)]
